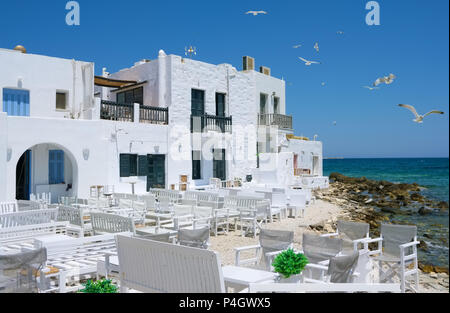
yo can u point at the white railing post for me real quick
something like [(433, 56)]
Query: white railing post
[(136, 113)]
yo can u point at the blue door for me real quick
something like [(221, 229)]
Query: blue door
[(16, 102)]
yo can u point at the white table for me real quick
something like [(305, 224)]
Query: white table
[(239, 278), (44, 241)]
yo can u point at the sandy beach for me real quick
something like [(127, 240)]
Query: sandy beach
[(318, 212)]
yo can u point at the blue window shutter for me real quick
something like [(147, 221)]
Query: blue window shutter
[(16, 102), (55, 167)]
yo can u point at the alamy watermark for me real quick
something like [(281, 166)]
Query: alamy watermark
[(373, 17), (73, 16)]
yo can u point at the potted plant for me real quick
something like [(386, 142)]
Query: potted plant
[(289, 264), (100, 286)]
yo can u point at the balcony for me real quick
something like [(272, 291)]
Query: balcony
[(123, 112), (204, 123), (280, 120)]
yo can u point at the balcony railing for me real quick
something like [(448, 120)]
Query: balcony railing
[(207, 122), (153, 115), (280, 120), (114, 111), (124, 112)]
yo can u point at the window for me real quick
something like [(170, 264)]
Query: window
[(142, 165), (197, 102), (276, 105), (55, 167), (61, 100), (196, 165), (128, 165), (131, 96), (262, 103), (220, 104)]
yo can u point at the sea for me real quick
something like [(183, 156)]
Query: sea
[(431, 173)]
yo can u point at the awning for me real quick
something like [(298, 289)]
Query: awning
[(109, 82)]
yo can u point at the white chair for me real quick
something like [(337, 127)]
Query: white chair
[(8, 207), (279, 206), (297, 203), (354, 235), (251, 219), (271, 243), (103, 223), (75, 217), (397, 248), (197, 238), (151, 266)]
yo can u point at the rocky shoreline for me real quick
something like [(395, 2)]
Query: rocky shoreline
[(373, 202)]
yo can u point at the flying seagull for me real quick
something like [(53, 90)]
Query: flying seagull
[(296, 46), (371, 88), (334, 123), (316, 46), (308, 63), (323, 83), (340, 32), (386, 79), (255, 13), (419, 118)]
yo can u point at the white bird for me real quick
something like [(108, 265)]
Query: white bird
[(308, 63), (316, 46), (340, 32), (419, 118), (323, 83), (334, 123), (255, 13), (386, 79), (296, 46), (371, 88)]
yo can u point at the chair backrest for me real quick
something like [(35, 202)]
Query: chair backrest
[(164, 204), (278, 190), (278, 199), (151, 266), (180, 210), (342, 267), (18, 271), (150, 201), (20, 234), (165, 237), (197, 238), (111, 223), (8, 207), (318, 249), (352, 230), (275, 240), (28, 217), (27, 205), (73, 215), (396, 235), (297, 200)]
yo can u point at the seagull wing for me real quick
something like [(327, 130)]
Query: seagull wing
[(411, 108), (262, 12), (314, 62), (434, 112), (379, 81), (303, 59)]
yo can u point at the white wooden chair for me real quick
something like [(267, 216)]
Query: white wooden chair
[(297, 203), (197, 238), (271, 243), (252, 218), (8, 207), (103, 223), (354, 235), (28, 217), (397, 248), (278, 206), (12, 238), (75, 217), (150, 266)]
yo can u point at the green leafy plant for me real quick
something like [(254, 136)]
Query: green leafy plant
[(100, 286), (289, 263)]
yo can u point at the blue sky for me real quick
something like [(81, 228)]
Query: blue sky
[(411, 42)]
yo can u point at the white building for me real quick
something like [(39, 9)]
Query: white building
[(143, 126)]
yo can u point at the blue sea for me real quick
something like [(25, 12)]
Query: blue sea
[(431, 173)]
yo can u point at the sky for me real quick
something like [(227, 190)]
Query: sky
[(412, 42)]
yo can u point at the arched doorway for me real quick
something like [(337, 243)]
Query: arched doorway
[(46, 168)]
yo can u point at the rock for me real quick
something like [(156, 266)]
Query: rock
[(423, 245), (317, 227), (442, 206), (429, 236), (417, 197), (425, 211)]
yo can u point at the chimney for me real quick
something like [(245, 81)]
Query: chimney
[(264, 70), (248, 63)]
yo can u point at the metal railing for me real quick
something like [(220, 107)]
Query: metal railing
[(211, 123), (114, 111), (153, 115), (280, 120)]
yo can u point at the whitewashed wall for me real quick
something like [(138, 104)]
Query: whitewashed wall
[(305, 151), (43, 76), (3, 155)]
